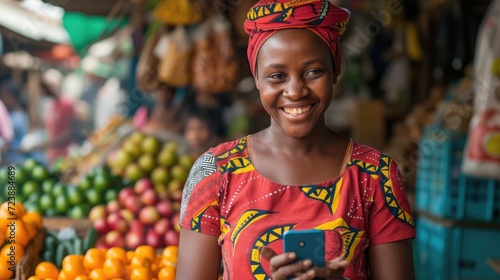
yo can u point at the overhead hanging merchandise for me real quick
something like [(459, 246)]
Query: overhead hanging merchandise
[(174, 66), (178, 12), (214, 64)]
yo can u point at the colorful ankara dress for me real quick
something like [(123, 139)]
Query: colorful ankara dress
[(226, 196)]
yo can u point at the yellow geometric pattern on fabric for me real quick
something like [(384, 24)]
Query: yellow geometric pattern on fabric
[(271, 235), (247, 218), (241, 146), (365, 167), (224, 229), (237, 165), (350, 236), (195, 221), (284, 10), (390, 198), (329, 195)]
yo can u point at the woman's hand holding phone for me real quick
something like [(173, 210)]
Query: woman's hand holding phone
[(285, 265)]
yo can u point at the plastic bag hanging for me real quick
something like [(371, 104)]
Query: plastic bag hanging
[(178, 12), (482, 154), (215, 65), (174, 67)]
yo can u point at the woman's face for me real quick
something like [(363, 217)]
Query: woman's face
[(295, 79)]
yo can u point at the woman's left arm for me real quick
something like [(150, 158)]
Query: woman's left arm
[(392, 261)]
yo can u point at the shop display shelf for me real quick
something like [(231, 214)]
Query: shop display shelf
[(443, 190), (450, 251)]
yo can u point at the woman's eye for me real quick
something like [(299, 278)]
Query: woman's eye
[(314, 72), (277, 76)]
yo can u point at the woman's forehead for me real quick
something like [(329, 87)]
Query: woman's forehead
[(288, 42)]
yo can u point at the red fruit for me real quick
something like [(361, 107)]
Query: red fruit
[(133, 240), (142, 185), (117, 222), (127, 214), (113, 206), (133, 204), (101, 225), (176, 220), (149, 215), (154, 239), (149, 197), (162, 226), (137, 226), (172, 238), (176, 195), (96, 212), (124, 193), (165, 208), (115, 239)]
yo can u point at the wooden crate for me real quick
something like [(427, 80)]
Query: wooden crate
[(57, 223), (26, 266)]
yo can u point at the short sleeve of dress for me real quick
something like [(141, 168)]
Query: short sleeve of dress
[(200, 198), (391, 217)]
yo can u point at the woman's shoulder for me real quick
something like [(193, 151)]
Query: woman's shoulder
[(231, 148), (368, 156)]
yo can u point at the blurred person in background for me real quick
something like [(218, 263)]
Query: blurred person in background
[(200, 133), (11, 96), (6, 132), (165, 115), (60, 119)]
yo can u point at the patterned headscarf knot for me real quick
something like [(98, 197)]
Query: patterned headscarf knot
[(320, 16)]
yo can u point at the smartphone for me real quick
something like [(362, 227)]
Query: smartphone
[(307, 244)]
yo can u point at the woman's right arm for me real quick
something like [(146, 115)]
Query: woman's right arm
[(199, 256)]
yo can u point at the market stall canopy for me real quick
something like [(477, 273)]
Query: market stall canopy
[(34, 19)]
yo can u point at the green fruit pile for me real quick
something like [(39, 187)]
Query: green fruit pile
[(145, 156), (40, 190), (30, 178)]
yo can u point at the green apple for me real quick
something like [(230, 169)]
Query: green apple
[(167, 158), (179, 173), (134, 173), (160, 175), (150, 145), (147, 162), (40, 173)]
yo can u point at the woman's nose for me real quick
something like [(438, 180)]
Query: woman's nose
[(296, 89)]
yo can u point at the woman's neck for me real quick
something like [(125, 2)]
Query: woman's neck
[(314, 142)]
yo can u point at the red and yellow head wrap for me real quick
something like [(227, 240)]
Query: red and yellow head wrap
[(320, 16)]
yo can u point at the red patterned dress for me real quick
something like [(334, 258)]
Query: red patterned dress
[(226, 196)]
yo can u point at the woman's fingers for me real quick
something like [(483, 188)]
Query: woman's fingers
[(284, 265), (333, 270)]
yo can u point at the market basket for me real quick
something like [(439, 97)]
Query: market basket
[(26, 266), (443, 190)]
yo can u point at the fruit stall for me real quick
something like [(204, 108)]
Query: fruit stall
[(118, 220)]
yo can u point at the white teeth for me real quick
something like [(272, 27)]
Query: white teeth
[(297, 111)]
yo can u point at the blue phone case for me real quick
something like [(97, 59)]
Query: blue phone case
[(307, 244)]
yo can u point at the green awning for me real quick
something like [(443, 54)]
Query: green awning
[(85, 30)]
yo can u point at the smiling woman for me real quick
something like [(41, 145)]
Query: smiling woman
[(242, 196)]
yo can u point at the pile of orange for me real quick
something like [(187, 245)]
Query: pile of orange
[(114, 263), (17, 229)]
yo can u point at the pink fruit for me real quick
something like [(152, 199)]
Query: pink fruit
[(133, 240), (148, 215), (149, 197), (162, 226), (172, 238), (127, 214), (96, 212), (124, 193), (115, 239), (101, 243), (137, 226), (154, 239), (113, 206), (133, 204), (176, 219), (117, 222), (101, 225), (176, 195), (165, 208), (142, 185)]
